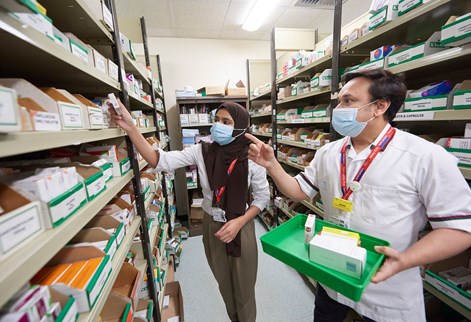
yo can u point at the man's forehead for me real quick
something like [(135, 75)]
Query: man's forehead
[(355, 87)]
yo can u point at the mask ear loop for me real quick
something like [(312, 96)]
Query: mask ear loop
[(367, 105)]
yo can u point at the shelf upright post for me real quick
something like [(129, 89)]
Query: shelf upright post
[(335, 63), (136, 181), (274, 111)]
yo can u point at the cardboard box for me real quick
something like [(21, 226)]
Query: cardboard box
[(20, 219), (175, 307), (447, 288), (113, 70), (69, 310), (88, 287), (184, 119), (38, 21), (380, 52), (212, 90), (464, 156), (239, 90), (99, 61), (107, 17), (407, 5), (400, 55), (97, 237), (9, 111), (71, 114), (120, 210), (78, 48), (111, 225), (117, 308), (462, 95), (430, 103), (322, 80), (144, 310), (193, 118), (457, 31), (96, 161), (354, 35), (384, 15), (96, 117), (127, 282), (203, 118)]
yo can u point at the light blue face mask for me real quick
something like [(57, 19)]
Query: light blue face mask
[(344, 120), (222, 133)]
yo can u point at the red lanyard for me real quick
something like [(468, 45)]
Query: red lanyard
[(219, 192), (374, 152)]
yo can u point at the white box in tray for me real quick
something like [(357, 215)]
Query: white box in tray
[(9, 111)]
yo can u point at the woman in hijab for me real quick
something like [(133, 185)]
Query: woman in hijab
[(225, 174)]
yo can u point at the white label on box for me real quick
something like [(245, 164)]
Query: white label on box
[(8, 107), (372, 65), (113, 70), (108, 173), (96, 187), (447, 290), (107, 17), (297, 121), (462, 99), (100, 63), (71, 315), (100, 283), (306, 115), (68, 205), (19, 227), (425, 104), (406, 55), (184, 120), (405, 5), (120, 236), (112, 249), (193, 118), (319, 113), (456, 30), (71, 115), (315, 82), (126, 166), (96, 119), (415, 116), (464, 158), (44, 121), (379, 18), (78, 51)]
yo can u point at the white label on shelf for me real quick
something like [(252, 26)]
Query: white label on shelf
[(96, 187), (71, 115), (319, 113), (68, 205), (462, 99), (19, 227), (415, 116), (425, 103), (45, 121), (463, 157), (126, 166), (107, 17), (8, 107), (297, 121), (447, 290)]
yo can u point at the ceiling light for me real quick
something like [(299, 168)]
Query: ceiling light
[(258, 14)]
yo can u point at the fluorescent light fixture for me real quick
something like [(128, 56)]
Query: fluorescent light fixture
[(258, 14)]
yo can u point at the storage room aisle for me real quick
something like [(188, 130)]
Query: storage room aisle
[(282, 295)]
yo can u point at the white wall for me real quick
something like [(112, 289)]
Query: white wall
[(199, 62)]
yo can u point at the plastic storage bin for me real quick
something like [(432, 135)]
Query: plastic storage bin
[(286, 243)]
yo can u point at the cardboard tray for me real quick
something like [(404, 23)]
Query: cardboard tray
[(286, 243)]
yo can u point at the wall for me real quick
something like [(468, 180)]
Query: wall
[(199, 62)]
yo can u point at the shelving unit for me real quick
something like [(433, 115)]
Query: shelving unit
[(445, 299)]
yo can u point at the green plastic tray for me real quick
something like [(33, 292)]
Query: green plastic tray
[(286, 243)]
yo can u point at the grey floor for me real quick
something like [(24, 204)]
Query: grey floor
[(282, 295)]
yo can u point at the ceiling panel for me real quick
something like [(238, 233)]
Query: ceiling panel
[(156, 12), (193, 14)]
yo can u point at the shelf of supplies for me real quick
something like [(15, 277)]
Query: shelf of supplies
[(153, 234), (142, 164), (162, 128), (314, 208), (260, 115), (192, 186), (162, 293), (445, 299), (149, 200), (415, 26), (291, 164), (52, 64), (308, 121), (197, 125), (211, 99), (138, 102), (316, 67), (116, 264), (159, 94), (23, 263), (264, 96), (447, 60), (161, 111), (269, 227), (303, 96), (131, 66), (466, 172), (447, 115), (298, 144), (286, 212), (268, 135)]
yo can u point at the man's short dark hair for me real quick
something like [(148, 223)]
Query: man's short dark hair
[(384, 85)]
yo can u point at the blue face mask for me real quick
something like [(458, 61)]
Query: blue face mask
[(344, 121), (222, 133)]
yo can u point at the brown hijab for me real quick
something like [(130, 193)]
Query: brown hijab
[(217, 159)]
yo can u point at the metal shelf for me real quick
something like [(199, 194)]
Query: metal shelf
[(445, 299), (287, 213), (291, 164), (138, 102), (25, 142), (18, 268), (447, 115), (116, 263), (197, 125), (160, 111), (466, 172), (264, 96), (298, 144), (52, 65), (304, 96), (314, 208), (211, 99), (149, 200), (76, 17), (131, 66), (142, 164), (268, 135), (310, 121), (316, 67), (260, 115)]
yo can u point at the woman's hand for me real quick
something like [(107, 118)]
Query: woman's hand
[(229, 231), (126, 122)]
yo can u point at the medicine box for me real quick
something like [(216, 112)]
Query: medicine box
[(9, 111), (111, 225), (388, 13), (457, 30), (97, 237), (117, 308), (462, 95), (407, 5), (445, 287), (402, 55), (20, 220), (322, 80), (430, 103), (127, 282)]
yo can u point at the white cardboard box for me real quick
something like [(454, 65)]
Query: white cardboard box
[(9, 111), (37, 21), (113, 70), (99, 61), (322, 80), (407, 5), (430, 103), (384, 15), (457, 31)]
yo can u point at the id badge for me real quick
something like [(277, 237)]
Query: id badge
[(219, 215), (340, 218), (342, 204)]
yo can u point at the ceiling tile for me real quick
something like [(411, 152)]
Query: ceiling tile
[(199, 15), (156, 12)]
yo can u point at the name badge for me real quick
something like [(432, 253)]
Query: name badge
[(219, 215), (344, 205)]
